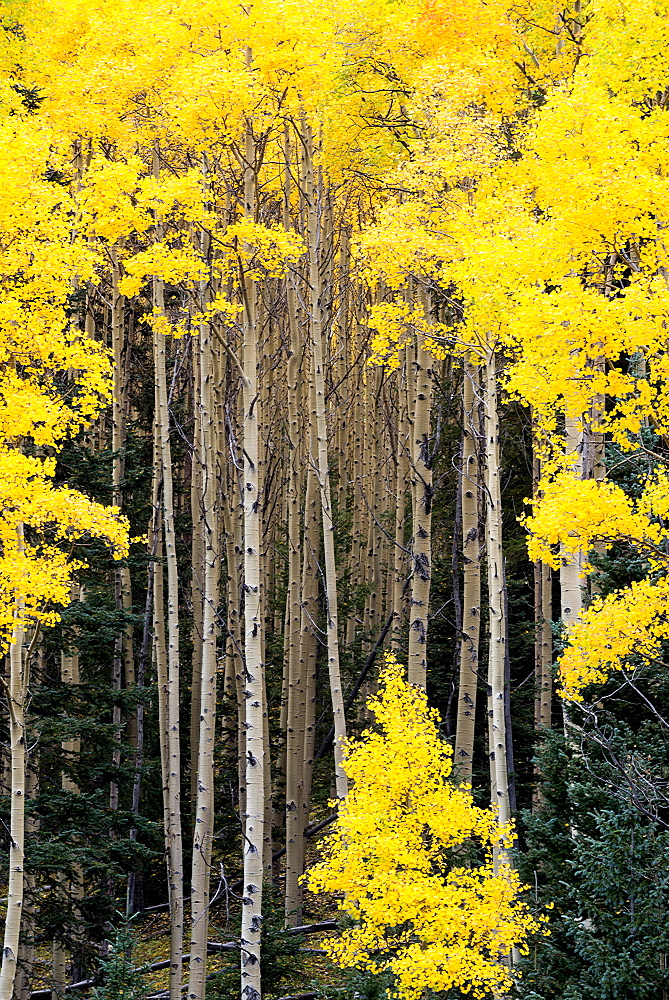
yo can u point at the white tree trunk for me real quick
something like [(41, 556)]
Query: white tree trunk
[(174, 844), (17, 740), (496, 602), (205, 456), (252, 893), (471, 558), (421, 482), (322, 464)]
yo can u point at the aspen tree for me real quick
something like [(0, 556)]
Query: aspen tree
[(496, 596), (402, 449), (159, 647), (314, 223), (422, 494), (16, 695), (231, 647), (204, 813), (296, 665), (571, 564), (229, 513), (234, 670), (197, 568), (254, 675), (29, 928), (471, 571), (267, 483), (171, 690), (26, 956), (308, 657)]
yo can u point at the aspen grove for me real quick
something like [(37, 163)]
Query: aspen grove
[(334, 481)]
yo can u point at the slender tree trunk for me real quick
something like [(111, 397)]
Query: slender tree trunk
[(253, 833), (175, 848), (421, 470), (571, 593), (26, 959), (17, 740), (314, 198), (234, 670), (496, 596), (296, 667), (470, 475), (160, 663), (308, 656), (204, 816), (197, 585), (402, 472)]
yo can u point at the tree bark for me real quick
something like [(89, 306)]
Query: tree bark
[(16, 694), (496, 597), (174, 846), (295, 728), (571, 565), (470, 476), (322, 465), (252, 893), (209, 597), (421, 483)]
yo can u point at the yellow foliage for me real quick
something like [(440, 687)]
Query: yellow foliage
[(53, 378), (631, 622), (576, 512), (259, 251), (35, 576), (171, 264), (417, 910), (395, 323)]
